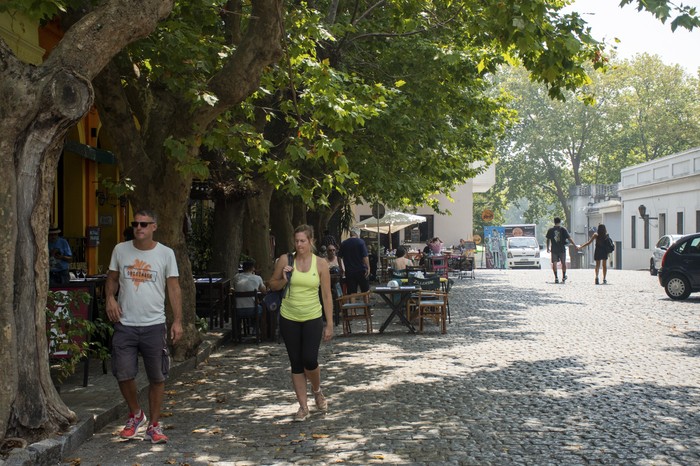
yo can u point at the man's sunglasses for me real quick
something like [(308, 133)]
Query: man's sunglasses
[(141, 224)]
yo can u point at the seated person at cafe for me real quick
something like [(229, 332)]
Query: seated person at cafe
[(461, 247), (335, 265), (247, 280), (60, 256), (401, 261), (435, 245)]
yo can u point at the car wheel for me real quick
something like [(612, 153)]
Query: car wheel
[(652, 269), (677, 287)]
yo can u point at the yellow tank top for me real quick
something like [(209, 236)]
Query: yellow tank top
[(302, 302)]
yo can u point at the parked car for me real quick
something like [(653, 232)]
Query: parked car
[(523, 251), (659, 250), (680, 267)]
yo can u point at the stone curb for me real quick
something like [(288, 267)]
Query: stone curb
[(49, 452)]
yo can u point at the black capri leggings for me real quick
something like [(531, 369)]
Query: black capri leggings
[(302, 340)]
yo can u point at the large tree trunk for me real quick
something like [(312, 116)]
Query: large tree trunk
[(281, 208), (256, 229), (40, 104), (166, 195), (163, 181), (49, 103), (227, 235)]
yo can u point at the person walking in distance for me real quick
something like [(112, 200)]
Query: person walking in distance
[(301, 323), (353, 251), (142, 270), (600, 253), (557, 236)]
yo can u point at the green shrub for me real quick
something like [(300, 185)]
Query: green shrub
[(72, 337)]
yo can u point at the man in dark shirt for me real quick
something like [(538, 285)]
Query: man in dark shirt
[(556, 243), (353, 251)]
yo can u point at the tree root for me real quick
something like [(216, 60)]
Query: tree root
[(10, 443)]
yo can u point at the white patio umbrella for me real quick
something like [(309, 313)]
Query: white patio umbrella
[(390, 223)]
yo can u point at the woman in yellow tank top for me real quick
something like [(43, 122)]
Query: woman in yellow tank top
[(301, 324)]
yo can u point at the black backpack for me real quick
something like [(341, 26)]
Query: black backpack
[(609, 244)]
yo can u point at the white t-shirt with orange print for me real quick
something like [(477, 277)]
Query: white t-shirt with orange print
[(142, 278)]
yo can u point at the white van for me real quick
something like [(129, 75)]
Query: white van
[(523, 251)]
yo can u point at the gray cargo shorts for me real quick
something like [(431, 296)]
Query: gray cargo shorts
[(150, 341), (559, 257)]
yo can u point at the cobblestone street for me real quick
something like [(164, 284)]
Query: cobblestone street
[(529, 373)]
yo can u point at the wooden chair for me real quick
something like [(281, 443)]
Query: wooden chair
[(439, 265), (355, 306), (431, 283), (247, 320), (432, 305)]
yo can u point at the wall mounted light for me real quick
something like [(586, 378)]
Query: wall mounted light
[(643, 213)]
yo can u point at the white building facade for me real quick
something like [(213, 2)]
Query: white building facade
[(658, 197), (590, 206), (450, 228)]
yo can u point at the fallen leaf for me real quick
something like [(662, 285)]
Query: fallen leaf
[(378, 457), (320, 435), (166, 414)]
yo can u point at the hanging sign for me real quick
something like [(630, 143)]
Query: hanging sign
[(487, 215)]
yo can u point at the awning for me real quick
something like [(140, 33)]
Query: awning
[(90, 153)]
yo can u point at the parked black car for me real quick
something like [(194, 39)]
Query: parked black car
[(680, 268)]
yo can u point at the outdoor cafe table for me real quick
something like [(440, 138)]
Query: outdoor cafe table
[(397, 305), (443, 283)]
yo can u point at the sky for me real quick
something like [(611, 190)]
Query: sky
[(640, 32)]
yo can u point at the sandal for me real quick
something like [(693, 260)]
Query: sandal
[(301, 414), (320, 400)]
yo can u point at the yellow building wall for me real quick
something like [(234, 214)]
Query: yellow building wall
[(75, 203), (22, 36)]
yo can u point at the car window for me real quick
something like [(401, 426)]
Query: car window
[(663, 242), (691, 246)]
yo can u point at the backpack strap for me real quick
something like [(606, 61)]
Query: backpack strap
[(290, 262)]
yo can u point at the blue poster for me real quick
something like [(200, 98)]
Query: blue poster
[(495, 247)]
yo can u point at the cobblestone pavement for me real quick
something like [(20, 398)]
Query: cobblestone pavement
[(529, 373)]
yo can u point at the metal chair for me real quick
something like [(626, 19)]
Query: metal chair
[(211, 298), (465, 267), (247, 320)]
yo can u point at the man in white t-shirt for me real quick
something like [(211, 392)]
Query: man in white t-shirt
[(141, 270), (247, 280)]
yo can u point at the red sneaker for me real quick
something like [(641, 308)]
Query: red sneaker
[(133, 424), (155, 434)]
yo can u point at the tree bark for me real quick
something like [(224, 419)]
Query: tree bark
[(40, 104), (160, 181), (281, 227), (227, 235), (256, 228)]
